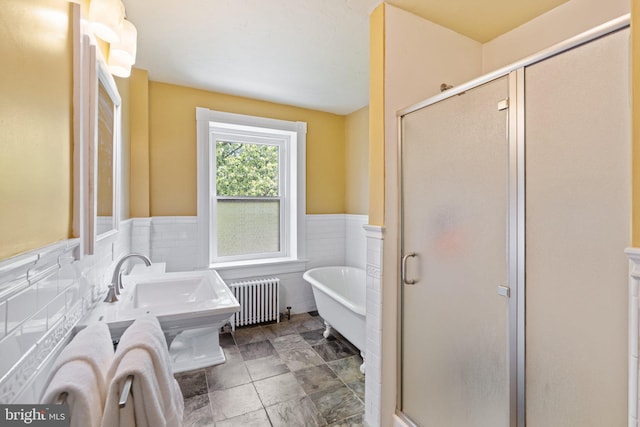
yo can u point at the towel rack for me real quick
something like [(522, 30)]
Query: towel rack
[(126, 389), (62, 398), (124, 395)]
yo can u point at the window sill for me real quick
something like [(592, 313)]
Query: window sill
[(252, 268)]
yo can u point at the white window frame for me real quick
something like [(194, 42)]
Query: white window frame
[(281, 139), (291, 136)]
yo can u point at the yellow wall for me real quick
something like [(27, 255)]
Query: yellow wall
[(376, 116), (35, 122), (139, 143), (172, 136), (635, 67), (357, 162)]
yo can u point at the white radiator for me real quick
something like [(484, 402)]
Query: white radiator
[(259, 301)]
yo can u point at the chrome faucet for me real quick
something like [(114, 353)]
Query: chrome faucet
[(116, 280)]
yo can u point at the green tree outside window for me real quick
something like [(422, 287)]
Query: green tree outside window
[(246, 170)]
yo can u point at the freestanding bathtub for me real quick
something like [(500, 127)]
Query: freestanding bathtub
[(340, 297)]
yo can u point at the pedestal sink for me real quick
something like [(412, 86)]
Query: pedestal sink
[(191, 307)]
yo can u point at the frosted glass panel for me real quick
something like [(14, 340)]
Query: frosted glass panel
[(248, 227), (454, 355), (578, 181)]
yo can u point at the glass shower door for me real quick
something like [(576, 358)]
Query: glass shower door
[(455, 214)]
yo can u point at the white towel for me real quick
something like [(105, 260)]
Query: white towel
[(81, 370), (157, 399), (77, 379)]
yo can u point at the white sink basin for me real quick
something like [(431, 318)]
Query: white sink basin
[(158, 291), (180, 300)]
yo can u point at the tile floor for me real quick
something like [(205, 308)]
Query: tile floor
[(282, 374)]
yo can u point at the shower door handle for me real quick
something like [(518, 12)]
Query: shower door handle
[(403, 269)]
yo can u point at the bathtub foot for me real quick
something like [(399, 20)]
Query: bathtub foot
[(362, 367), (327, 330)]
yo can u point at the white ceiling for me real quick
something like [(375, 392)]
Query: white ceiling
[(306, 53)]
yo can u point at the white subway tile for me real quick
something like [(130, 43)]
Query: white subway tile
[(47, 290), (163, 244), (63, 284), (3, 320), (321, 227), (17, 266), (10, 284), (633, 391), (373, 387), (356, 241), (10, 351), (56, 310), (141, 231), (185, 243), (376, 284), (161, 220), (374, 297), (634, 329), (159, 227), (187, 220), (374, 320), (32, 330), (70, 271), (21, 307), (373, 346)]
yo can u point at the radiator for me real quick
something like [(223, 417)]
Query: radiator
[(259, 301)]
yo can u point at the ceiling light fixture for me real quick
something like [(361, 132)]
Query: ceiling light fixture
[(122, 54), (106, 17)]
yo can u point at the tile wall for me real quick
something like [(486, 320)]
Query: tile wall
[(634, 332), (326, 240), (43, 294), (373, 383), (356, 241)]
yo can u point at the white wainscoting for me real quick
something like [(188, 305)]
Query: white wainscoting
[(355, 241), (634, 331), (373, 383), (325, 240), (174, 240)]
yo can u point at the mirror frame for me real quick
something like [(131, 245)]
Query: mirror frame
[(99, 75)]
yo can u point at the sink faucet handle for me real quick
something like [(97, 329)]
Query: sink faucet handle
[(111, 295)]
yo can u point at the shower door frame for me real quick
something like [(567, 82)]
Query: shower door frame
[(516, 211)]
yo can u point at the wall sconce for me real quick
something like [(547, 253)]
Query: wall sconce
[(106, 18), (122, 54)]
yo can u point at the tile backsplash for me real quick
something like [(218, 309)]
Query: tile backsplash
[(3, 319)]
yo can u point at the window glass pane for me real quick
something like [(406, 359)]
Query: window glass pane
[(246, 169), (248, 227)]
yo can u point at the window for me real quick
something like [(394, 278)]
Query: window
[(250, 188)]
